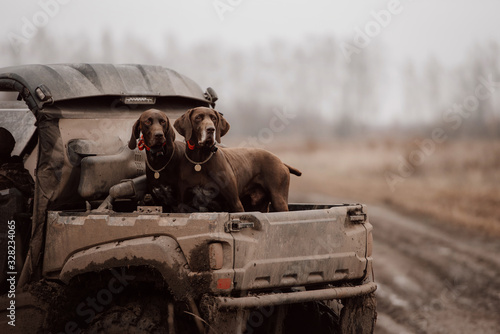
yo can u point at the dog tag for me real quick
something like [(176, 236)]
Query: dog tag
[(197, 167), (157, 175)]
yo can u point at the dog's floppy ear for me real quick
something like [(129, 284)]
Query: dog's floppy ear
[(136, 131), (170, 131), (183, 125), (222, 126)]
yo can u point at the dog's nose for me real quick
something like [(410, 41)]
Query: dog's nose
[(210, 129), (159, 134)]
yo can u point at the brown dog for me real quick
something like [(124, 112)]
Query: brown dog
[(163, 156), (224, 179)]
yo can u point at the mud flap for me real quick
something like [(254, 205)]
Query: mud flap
[(359, 314)]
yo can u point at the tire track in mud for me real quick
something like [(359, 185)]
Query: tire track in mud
[(432, 279)]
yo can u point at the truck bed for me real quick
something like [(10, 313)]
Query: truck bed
[(309, 245)]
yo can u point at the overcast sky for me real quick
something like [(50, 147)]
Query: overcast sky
[(444, 28)]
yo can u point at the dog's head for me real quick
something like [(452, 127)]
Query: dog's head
[(156, 130), (202, 126)]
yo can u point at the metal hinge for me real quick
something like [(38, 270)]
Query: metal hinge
[(358, 215), (235, 225), (358, 218)]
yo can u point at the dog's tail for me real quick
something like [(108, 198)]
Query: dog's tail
[(293, 170)]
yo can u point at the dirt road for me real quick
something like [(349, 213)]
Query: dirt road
[(432, 280)]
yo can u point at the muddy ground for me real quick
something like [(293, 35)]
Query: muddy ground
[(434, 280)]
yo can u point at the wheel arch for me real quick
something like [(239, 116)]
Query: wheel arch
[(159, 252)]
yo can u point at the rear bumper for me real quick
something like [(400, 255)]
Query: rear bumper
[(295, 297)]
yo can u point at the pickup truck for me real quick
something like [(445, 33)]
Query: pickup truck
[(101, 258)]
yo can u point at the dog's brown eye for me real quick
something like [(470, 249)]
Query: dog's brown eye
[(148, 121), (162, 121)]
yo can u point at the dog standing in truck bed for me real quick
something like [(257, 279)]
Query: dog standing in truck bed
[(163, 155), (230, 179)]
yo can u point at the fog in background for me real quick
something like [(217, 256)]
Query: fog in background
[(341, 69)]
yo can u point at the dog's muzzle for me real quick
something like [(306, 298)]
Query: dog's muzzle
[(207, 137)]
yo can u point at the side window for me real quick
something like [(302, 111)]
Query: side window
[(19, 120)]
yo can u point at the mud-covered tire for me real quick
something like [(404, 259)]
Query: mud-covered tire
[(312, 317), (134, 318), (143, 314), (358, 315), (142, 304)]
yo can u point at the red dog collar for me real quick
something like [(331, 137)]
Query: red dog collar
[(193, 146), (141, 145)]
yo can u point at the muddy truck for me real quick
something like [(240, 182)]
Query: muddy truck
[(93, 255)]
